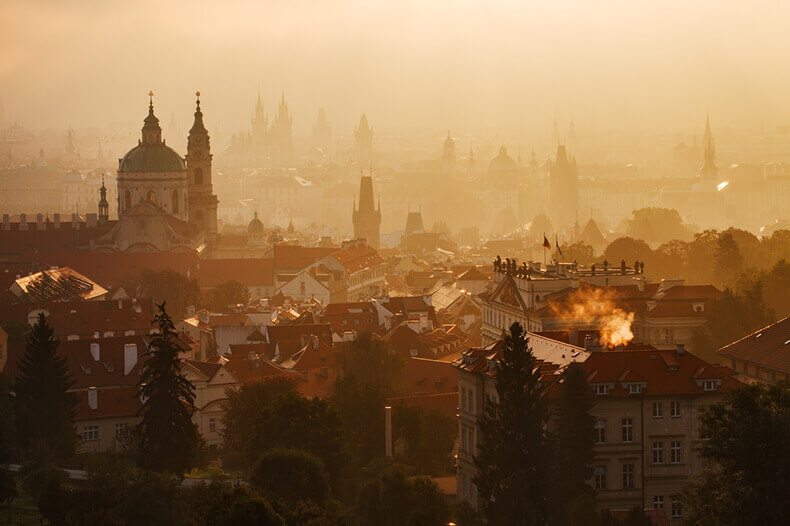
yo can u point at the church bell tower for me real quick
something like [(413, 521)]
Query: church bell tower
[(201, 199)]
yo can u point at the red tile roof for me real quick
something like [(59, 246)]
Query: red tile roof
[(768, 347), (295, 257), (250, 272), (356, 258), (84, 318), (111, 402)]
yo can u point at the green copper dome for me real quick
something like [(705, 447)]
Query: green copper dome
[(152, 158)]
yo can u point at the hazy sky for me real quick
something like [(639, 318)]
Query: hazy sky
[(467, 65)]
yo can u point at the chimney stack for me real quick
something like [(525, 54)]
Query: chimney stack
[(92, 220), (388, 431), (22, 221), (681, 348), (129, 357), (6, 222), (40, 225), (93, 398), (57, 220), (95, 352)]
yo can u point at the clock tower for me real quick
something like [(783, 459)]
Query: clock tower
[(201, 198)]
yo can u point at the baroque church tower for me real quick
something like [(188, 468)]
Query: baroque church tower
[(202, 201), (366, 218), (709, 171)]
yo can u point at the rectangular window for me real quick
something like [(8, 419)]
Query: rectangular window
[(709, 385), (470, 403), (675, 452), (628, 476), (658, 452), (600, 477), (676, 409), (677, 509), (90, 433), (463, 398), (212, 425), (600, 431), (628, 429), (602, 389), (464, 440), (658, 410), (658, 502), (121, 430), (634, 388)]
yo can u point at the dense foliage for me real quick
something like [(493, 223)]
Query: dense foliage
[(747, 450)]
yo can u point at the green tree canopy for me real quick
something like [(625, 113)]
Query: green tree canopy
[(392, 499), (290, 475), (226, 295), (747, 476), (628, 249)]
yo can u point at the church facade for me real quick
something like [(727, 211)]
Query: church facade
[(165, 202)]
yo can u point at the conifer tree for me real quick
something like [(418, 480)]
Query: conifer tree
[(168, 439), (7, 485), (43, 407), (574, 434), (513, 458)]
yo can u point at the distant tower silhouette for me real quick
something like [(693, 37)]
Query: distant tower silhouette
[(363, 141), (104, 206), (366, 218), (709, 170), (448, 155), (414, 223), (322, 132), (282, 137), (563, 189), (201, 200), (260, 130), (70, 149)]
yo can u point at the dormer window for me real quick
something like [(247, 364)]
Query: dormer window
[(602, 389), (709, 385), (634, 388)]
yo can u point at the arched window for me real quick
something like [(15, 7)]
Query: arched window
[(127, 200), (198, 175), (175, 201), (151, 196)]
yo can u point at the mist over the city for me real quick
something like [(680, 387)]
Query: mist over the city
[(402, 263)]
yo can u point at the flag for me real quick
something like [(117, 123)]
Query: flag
[(546, 243), (557, 243)]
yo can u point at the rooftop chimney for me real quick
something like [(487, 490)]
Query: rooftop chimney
[(40, 225), (92, 219), (57, 220), (6, 222), (95, 352), (129, 357), (681, 348), (22, 221), (93, 398)]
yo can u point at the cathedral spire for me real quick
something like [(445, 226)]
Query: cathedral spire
[(152, 132), (104, 206), (198, 126), (709, 169)]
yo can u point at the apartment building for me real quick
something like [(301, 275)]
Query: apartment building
[(647, 408)]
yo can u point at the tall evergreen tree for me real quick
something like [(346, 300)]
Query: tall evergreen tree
[(513, 458), (43, 407), (7, 484), (168, 440), (574, 431)]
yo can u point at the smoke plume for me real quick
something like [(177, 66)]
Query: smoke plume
[(598, 309)]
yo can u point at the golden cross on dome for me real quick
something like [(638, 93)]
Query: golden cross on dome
[(151, 99)]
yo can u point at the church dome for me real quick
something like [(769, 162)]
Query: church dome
[(156, 157), (255, 226), (502, 163)]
